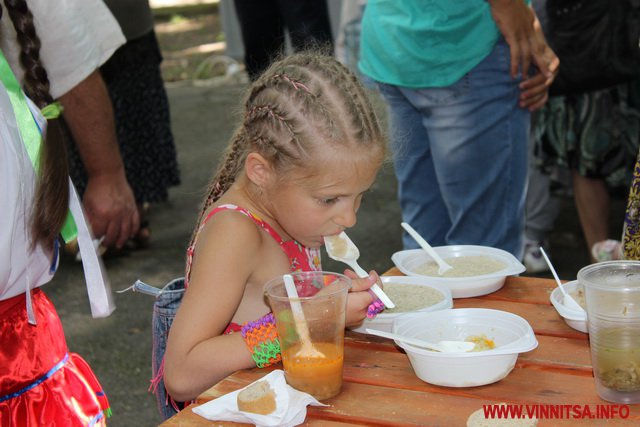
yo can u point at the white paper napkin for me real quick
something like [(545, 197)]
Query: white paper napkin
[(291, 405)]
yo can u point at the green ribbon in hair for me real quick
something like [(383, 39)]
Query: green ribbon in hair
[(52, 111), (30, 132)]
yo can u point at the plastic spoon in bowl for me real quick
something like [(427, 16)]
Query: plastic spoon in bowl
[(441, 346), (443, 267), (341, 248), (306, 346), (567, 298)]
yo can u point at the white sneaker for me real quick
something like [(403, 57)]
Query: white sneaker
[(533, 259), (607, 250)]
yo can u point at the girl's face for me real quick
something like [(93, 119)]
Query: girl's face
[(309, 206)]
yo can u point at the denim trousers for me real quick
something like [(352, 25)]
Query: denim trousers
[(460, 157), (164, 311)]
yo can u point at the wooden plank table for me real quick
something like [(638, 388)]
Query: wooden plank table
[(381, 389)]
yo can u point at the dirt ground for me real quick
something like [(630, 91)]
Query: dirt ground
[(119, 347), (187, 38)]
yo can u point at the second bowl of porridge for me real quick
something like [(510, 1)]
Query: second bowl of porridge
[(477, 270), (410, 294)]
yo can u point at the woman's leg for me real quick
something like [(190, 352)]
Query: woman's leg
[(307, 22), (592, 203), (262, 32)]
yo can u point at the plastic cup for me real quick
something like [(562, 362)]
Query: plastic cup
[(323, 297), (612, 294)]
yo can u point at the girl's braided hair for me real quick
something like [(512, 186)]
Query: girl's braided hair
[(52, 190), (303, 103)]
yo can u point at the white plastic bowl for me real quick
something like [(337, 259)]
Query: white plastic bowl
[(461, 287), (511, 333), (384, 321), (575, 318)]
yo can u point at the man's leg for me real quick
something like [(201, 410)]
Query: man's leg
[(478, 139), (418, 190)]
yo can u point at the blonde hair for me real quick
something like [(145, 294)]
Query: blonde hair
[(300, 104)]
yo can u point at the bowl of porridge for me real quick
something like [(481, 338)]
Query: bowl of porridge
[(477, 270), (575, 318), (500, 337), (409, 294)]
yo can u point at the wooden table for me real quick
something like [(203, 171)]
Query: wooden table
[(381, 389)]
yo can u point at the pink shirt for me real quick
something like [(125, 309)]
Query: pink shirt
[(300, 257)]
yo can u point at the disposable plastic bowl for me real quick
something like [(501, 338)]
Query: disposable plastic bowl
[(575, 318), (511, 333), (409, 260), (384, 321)]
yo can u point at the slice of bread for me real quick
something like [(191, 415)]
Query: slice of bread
[(258, 398)]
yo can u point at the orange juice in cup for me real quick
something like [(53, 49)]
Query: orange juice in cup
[(319, 376), (323, 298)]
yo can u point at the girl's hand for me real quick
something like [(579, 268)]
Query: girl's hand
[(359, 299)]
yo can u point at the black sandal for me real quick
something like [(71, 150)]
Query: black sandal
[(142, 238)]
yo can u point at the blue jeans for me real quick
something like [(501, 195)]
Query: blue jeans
[(164, 311), (460, 155)]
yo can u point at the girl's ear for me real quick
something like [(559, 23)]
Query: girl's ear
[(258, 169)]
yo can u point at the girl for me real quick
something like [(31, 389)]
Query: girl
[(41, 382), (308, 148)]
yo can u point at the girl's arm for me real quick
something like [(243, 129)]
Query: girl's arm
[(198, 355)]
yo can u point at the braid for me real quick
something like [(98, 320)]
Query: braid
[(52, 199), (293, 93), (297, 107), (224, 177), (340, 101), (363, 119), (35, 76), (309, 101)]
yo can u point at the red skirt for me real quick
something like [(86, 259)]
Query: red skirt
[(41, 383)]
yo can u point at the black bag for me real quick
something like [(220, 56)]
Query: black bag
[(597, 41)]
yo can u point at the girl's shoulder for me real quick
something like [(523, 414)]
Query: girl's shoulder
[(229, 220), (224, 240), (232, 243), (239, 215), (226, 207)]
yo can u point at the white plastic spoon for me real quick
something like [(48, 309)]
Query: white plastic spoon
[(306, 347), (443, 267), (441, 346), (341, 248), (568, 299)]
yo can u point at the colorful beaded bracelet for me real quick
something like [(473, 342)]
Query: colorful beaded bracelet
[(261, 337), (375, 307)]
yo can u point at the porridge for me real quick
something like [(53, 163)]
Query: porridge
[(464, 266), (408, 297)]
